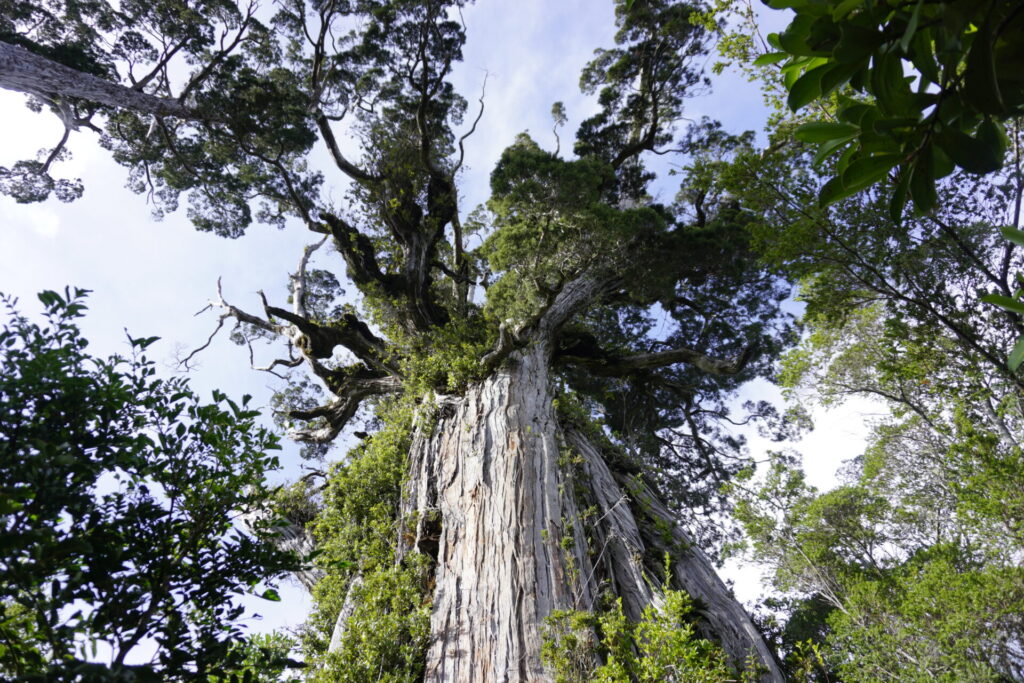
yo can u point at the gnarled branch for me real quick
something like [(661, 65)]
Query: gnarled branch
[(351, 386)]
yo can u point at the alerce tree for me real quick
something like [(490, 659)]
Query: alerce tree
[(550, 404)]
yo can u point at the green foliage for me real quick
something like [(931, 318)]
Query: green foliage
[(898, 572), (606, 647), (266, 659), (892, 576), (948, 111), (118, 492), (358, 532), (447, 359), (386, 638), (551, 222)]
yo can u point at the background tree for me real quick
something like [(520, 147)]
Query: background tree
[(120, 497), (547, 405), (911, 567)]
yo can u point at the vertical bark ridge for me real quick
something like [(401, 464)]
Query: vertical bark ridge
[(723, 619)]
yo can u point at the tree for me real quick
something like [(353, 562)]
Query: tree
[(910, 568), (536, 439), (119, 497)]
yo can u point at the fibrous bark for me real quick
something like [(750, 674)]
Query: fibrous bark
[(497, 487)]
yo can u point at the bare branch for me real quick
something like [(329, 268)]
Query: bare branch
[(507, 341), (56, 150), (319, 341), (229, 312), (462, 140), (299, 278)]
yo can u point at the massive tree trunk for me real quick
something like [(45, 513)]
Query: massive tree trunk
[(498, 486)]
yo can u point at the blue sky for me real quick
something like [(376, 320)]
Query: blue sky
[(152, 277)]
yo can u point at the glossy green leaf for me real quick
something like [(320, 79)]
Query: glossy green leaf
[(889, 86), (922, 56), (831, 192), (1016, 355), (922, 181), (992, 135), (855, 113), (856, 43), (837, 76), (840, 11), (829, 148), (1014, 235), (898, 200), (866, 171), (981, 85), (806, 89), (823, 131), (908, 35), (1004, 302), (968, 153), (770, 58)]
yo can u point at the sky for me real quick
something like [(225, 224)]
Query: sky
[(152, 277)]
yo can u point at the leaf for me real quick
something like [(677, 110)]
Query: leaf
[(1004, 302), (867, 171), (908, 35), (836, 76), (923, 58), (981, 85), (969, 154), (1014, 235), (142, 342), (823, 131), (840, 11), (898, 200), (826, 150), (854, 113), (794, 39), (832, 192), (856, 43), (49, 298), (889, 86), (807, 88), (922, 181), (1016, 355), (771, 58), (992, 134), (271, 594)]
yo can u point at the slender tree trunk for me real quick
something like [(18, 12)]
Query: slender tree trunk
[(28, 72), (497, 487)]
